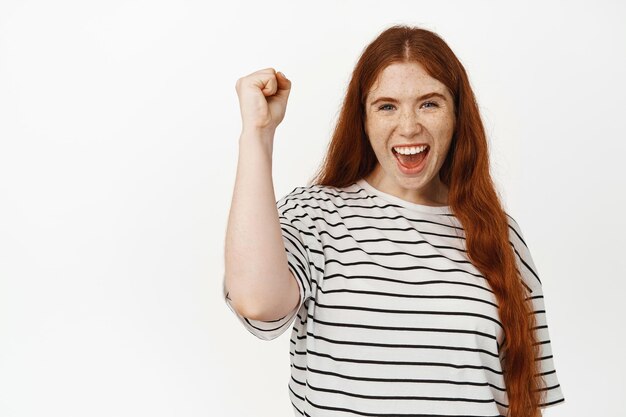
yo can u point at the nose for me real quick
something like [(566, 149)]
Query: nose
[(409, 123)]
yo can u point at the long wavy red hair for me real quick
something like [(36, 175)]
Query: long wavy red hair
[(472, 195)]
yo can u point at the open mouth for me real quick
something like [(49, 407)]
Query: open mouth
[(411, 157)]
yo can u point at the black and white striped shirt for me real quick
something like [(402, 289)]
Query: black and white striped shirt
[(393, 319)]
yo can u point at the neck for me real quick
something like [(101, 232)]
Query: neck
[(434, 194)]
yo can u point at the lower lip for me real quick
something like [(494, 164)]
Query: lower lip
[(412, 171)]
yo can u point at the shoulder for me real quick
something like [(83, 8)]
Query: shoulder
[(515, 232), (319, 196), (523, 256)]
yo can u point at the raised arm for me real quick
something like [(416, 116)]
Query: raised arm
[(257, 279)]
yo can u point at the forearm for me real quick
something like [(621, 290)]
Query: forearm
[(256, 270)]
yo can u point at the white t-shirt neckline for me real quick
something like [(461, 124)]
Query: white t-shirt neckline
[(406, 204)]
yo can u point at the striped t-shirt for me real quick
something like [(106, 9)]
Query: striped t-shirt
[(393, 319)]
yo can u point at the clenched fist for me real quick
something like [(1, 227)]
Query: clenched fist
[(263, 98)]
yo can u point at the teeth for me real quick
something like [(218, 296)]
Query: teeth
[(410, 150)]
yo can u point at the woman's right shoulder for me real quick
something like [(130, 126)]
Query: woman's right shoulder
[(319, 196)]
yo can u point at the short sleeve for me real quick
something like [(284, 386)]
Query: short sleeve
[(551, 388), (303, 246)]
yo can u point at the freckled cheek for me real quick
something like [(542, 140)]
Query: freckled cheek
[(384, 129), (378, 130), (443, 129)]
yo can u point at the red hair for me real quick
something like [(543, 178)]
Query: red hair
[(472, 195)]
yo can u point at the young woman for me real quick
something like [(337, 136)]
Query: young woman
[(412, 290)]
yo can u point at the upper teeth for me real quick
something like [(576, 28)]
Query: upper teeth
[(410, 150)]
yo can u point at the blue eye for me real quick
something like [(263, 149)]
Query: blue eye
[(428, 104)]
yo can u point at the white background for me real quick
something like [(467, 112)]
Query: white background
[(119, 126)]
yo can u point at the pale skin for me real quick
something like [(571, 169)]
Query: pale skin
[(257, 278), (409, 119)]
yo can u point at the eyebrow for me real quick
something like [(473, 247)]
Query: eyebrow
[(425, 96)]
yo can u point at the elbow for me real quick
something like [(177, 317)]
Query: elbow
[(241, 308)]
